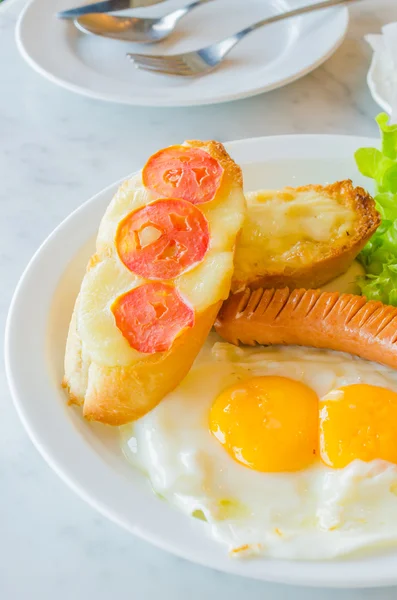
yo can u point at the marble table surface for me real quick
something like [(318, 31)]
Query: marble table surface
[(56, 150)]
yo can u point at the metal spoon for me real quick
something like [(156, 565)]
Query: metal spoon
[(133, 29)]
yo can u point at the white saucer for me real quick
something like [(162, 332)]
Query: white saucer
[(88, 457), (97, 67)]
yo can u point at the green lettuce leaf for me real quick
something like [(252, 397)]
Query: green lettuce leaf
[(379, 257)]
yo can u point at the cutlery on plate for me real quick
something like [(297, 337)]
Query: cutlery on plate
[(200, 62), (132, 29), (106, 6)]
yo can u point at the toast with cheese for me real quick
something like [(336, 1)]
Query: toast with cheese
[(302, 237), (162, 267)]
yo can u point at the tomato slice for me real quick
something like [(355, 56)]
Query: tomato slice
[(181, 172), (151, 316), (163, 239)]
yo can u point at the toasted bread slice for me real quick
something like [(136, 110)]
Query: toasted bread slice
[(125, 350), (343, 322), (302, 237)]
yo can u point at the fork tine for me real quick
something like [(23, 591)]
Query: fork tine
[(159, 64), (155, 59), (178, 67), (149, 66), (166, 69)]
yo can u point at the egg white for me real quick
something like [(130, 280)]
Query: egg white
[(317, 513)]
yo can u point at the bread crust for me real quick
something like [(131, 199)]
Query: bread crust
[(334, 261), (217, 151), (116, 395)]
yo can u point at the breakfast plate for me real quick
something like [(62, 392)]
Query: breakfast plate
[(88, 456), (97, 67)]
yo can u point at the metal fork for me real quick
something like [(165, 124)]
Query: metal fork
[(206, 59)]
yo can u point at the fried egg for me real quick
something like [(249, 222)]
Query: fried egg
[(285, 452)]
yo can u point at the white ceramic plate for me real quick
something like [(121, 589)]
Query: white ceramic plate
[(88, 456), (97, 67)]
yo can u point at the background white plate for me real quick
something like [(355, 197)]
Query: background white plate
[(87, 456), (266, 59), (379, 83)]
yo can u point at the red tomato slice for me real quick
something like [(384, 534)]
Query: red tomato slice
[(181, 172), (163, 239), (151, 316)]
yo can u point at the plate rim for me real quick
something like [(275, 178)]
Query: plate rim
[(156, 101), (363, 578)]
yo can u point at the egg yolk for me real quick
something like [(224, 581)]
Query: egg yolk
[(267, 423), (358, 422)]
